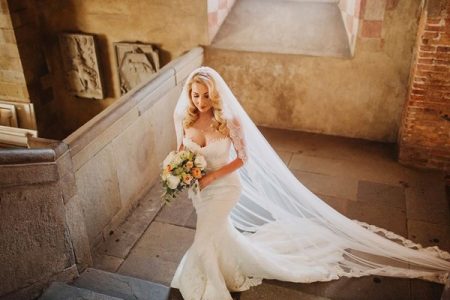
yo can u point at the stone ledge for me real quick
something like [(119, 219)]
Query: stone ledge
[(26, 174)]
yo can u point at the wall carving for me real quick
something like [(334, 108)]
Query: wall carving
[(136, 64), (80, 65)]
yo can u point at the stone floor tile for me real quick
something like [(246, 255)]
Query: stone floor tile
[(339, 204), (367, 288), (327, 146), (428, 234), (284, 155), (176, 295), (427, 201), (382, 194), (157, 254), (121, 240), (177, 212), (107, 262), (390, 218), (192, 221), (267, 291), (421, 289), (322, 165), (341, 187)]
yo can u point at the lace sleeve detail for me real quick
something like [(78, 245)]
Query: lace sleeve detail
[(237, 136)]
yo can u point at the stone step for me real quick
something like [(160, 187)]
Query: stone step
[(121, 286), (61, 290)]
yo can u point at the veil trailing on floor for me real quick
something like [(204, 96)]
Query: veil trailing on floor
[(272, 197)]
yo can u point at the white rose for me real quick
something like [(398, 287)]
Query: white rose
[(168, 158), (200, 162), (165, 174), (173, 181)]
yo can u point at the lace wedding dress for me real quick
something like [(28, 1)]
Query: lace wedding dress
[(222, 259), (261, 222)]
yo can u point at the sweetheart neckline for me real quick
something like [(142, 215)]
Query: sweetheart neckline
[(211, 142)]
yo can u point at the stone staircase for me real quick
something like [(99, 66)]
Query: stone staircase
[(94, 284)]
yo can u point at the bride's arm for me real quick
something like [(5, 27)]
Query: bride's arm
[(237, 136), (228, 168)]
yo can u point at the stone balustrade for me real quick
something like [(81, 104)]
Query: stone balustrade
[(60, 199)]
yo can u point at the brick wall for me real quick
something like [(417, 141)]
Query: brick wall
[(424, 137)]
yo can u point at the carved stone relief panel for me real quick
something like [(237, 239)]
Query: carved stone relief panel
[(80, 65), (136, 64)]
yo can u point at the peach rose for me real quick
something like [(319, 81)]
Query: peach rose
[(196, 172), (187, 178)]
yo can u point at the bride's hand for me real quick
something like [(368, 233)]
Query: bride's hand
[(205, 181)]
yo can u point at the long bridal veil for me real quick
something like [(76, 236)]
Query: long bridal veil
[(274, 200)]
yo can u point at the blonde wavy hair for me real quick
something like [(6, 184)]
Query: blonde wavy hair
[(192, 113)]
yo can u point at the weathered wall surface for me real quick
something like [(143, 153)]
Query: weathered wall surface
[(175, 26), (360, 97), (35, 235), (424, 139), (117, 154)]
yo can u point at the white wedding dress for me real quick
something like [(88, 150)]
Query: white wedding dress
[(285, 231), (222, 259)]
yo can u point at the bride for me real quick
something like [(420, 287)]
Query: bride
[(255, 220)]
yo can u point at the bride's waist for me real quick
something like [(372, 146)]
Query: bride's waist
[(213, 166), (229, 178)]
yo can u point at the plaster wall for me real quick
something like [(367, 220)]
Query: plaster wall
[(360, 97)]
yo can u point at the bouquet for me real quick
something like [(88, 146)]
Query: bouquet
[(180, 170)]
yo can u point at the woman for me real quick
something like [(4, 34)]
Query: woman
[(255, 220)]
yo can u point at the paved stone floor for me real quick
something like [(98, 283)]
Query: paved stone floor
[(361, 179), (285, 26)]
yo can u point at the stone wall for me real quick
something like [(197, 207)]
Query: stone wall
[(35, 235), (174, 26), (117, 154), (360, 97), (424, 139), (60, 200)]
